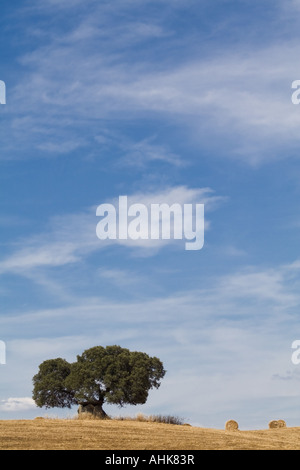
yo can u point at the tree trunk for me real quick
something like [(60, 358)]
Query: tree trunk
[(99, 412), (89, 410)]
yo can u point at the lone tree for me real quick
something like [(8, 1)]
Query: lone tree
[(100, 375)]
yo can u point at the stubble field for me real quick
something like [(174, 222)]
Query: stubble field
[(47, 434)]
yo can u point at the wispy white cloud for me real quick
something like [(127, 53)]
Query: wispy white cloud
[(141, 153), (71, 238), (17, 404), (51, 254), (241, 96), (138, 154), (233, 251), (267, 285), (244, 298), (122, 278), (59, 148)]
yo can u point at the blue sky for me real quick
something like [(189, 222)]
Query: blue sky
[(174, 101)]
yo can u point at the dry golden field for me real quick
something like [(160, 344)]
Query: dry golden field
[(48, 434)]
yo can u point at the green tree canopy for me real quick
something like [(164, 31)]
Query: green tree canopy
[(49, 385), (100, 375)]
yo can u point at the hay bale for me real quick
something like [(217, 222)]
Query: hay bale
[(279, 424), (273, 425), (231, 425)]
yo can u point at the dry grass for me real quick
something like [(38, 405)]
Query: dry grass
[(47, 434)]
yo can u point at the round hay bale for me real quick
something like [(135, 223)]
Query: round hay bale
[(231, 425), (281, 423), (274, 425)]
